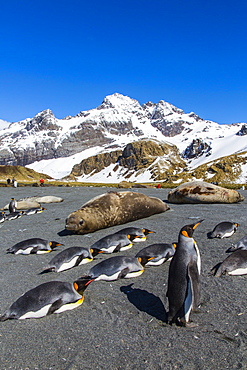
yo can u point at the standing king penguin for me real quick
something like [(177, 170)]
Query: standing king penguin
[(184, 277)]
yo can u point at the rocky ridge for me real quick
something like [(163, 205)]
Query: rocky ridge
[(159, 138)]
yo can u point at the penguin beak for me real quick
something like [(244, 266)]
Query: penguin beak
[(197, 224)]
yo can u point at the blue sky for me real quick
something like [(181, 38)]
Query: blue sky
[(68, 55)]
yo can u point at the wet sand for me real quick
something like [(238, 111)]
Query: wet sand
[(121, 324)]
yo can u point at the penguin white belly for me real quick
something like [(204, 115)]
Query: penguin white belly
[(36, 314), (109, 250), (240, 271), (188, 302), (70, 306), (108, 277), (140, 239), (68, 265), (85, 260), (126, 247), (199, 263), (24, 251), (227, 235), (157, 263), (133, 274), (43, 252)]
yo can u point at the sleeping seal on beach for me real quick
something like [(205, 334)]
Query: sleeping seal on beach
[(203, 192), (113, 208), (34, 202), (47, 298)]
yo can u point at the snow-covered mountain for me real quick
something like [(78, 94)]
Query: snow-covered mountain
[(53, 146)]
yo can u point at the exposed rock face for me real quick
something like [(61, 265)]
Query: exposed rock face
[(136, 156), (196, 149), (242, 131), (95, 163)]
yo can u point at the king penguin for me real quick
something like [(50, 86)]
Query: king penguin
[(12, 205), (117, 267), (183, 281), (234, 264), (241, 244), (224, 229), (33, 246), (140, 234), (69, 258), (160, 253), (47, 298), (114, 243)]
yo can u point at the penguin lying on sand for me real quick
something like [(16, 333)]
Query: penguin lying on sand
[(184, 277), (241, 244), (33, 246), (114, 243), (160, 252), (117, 267), (2, 217), (33, 211), (234, 264), (70, 257), (139, 233), (47, 298), (13, 215), (224, 229)]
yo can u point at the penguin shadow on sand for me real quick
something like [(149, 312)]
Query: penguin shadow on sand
[(145, 301)]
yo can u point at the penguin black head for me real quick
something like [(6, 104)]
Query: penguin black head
[(147, 231), (55, 244), (188, 230), (82, 283), (95, 251)]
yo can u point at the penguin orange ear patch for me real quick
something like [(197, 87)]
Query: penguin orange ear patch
[(76, 286), (185, 233)]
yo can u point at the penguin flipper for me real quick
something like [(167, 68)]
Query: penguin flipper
[(117, 249), (123, 273), (195, 283), (4, 317), (55, 306)]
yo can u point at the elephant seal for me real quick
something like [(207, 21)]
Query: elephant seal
[(203, 192), (25, 204), (34, 202), (45, 199), (113, 208)]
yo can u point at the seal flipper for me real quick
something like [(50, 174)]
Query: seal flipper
[(195, 283)]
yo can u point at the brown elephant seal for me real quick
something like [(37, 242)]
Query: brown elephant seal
[(113, 208), (203, 192)]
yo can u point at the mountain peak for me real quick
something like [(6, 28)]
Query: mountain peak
[(117, 100)]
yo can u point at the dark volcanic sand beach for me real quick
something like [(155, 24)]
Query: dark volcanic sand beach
[(121, 324)]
